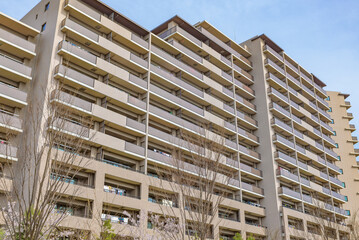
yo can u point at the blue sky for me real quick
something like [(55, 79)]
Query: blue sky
[(321, 35)]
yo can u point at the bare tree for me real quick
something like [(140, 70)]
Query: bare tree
[(353, 223), (50, 153), (194, 183)]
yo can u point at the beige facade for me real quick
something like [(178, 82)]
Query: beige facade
[(346, 151), (142, 87)]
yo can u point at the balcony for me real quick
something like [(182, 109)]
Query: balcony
[(280, 83), (14, 69), (322, 101), (274, 66), (282, 125), (280, 156), (249, 153), (268, 49), (176, 100), (179, 82), (7, 151), (248, 119), (12, 96), (252, 189), (340, 211), (280, 109), (279, 139), (277, 94), (305, 182), (346, 104), (308, 91), (71, 100), (351, 128), (330, 153), (250, 107), (338, 196), (180, 31), (245, 134), (243, 73), (186, 51), (283, 173), (177, 63), (307, 79), (295, 69), (84, 56), (334, 167), (326, 126), (294, 80), (16, 45), (10, 121), (324, 93), (353, 140), (336, 181), (289, 193), (250, 170)]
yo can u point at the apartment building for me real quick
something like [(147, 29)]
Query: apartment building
[(345, 148), (143, 88), (17, 57)]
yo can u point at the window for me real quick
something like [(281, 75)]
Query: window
[(47, 6), (328, 98), (37, 15), (341, 171), (346, 198), (43, 27), (334, 133), (339, 158), (337, 145), (332, 121), (330, 110), (343, 184), (347, 212)]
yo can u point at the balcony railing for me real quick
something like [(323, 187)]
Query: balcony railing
[(283, 140), (176, 62), (85, 9), (280, 109), (15, 66), (274, 65), (7, 150), (245, 102), (278, 94), (286, 157), (13, 93), (280, 123), (269, 49), (178, 81), (251, 170), (338, 195), (80, 29), (289, 192), (294, 80), (306, 78), (10, 119), (21, 42), (78, 51), (71, 100), (246, 118), (286, 173), (244, 133), (252, 188), (249, 152), (175, 29), (277, 80), (336, 181), (295, 69), (175, 99)]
